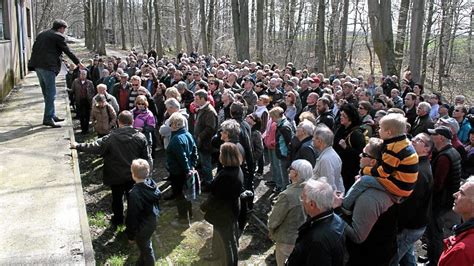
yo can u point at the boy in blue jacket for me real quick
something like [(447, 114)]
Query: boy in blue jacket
[(142, 211)]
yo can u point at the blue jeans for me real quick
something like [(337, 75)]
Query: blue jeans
[(144, 244), (406, 246), (206, 164), (276, 169), (285, 180), (47, 80)]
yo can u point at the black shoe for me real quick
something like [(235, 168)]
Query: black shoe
[(51, 124), (57, 119), (423, 259), (270, 183)]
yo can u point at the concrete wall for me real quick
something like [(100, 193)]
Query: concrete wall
[(12, 68)]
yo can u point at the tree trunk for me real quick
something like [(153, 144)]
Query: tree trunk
[(293, 34), (401, 33), (202, 10), (188, 36), (244, 30), (470, 44), (210, 26), (259, 30), (88, 25), (114, 28), (364, 27), (101, 49), (95, 22), (354, 34), (416, 38), (342, 52), (271, 26), (159, 42), (382, 34), (150, 24), (177, 24), (442, 43), (331, 35), (429, 24), (131, 22), (320, 44)]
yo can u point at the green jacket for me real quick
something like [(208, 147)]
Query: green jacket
[(287, 215)]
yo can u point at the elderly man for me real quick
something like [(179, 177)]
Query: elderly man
[(320, 240), (459, 248), (172, 106), (311, 101), (121, 91), (109, 98), (118, 149), (328, 164), (83, 91), (423, 121), (446, 164), (302, 144)]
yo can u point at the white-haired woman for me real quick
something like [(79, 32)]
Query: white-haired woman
[(287, 214)]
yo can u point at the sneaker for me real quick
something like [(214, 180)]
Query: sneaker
[(423, 259)]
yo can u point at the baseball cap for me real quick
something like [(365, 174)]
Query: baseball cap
[(316, 80), (451, 122), (441, 130)]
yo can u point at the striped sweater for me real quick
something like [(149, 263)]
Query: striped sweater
[(398, 169)]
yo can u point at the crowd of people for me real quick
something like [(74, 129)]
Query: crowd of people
[(361, 168)]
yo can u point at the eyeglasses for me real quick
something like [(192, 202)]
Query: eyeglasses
[(365, 155), (457, 110), (135, 85), (418, 140), (140, 104), (361, 107)]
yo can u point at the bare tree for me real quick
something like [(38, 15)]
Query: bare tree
[(382, 34), (210, 25), (177, 21), (429, 25), (202, 11), (188, 36), (364, 27), (401, 34), (321, 44), (259, 30), (470, 44), (445, 9), (240, 19), (331, 33), (159, 42), (342, 52), (416, 39)]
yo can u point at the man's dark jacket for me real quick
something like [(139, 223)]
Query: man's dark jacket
[(47, 50), (119, 149), (320, 241)]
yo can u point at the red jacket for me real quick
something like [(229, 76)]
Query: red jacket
[(459, 249)]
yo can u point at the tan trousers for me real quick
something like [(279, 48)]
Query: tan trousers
[(282, 252)]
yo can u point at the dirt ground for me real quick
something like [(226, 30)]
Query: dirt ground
[(173, 245)]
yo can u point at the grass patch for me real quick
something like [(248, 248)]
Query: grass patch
[(116, 260), (98, 220)]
